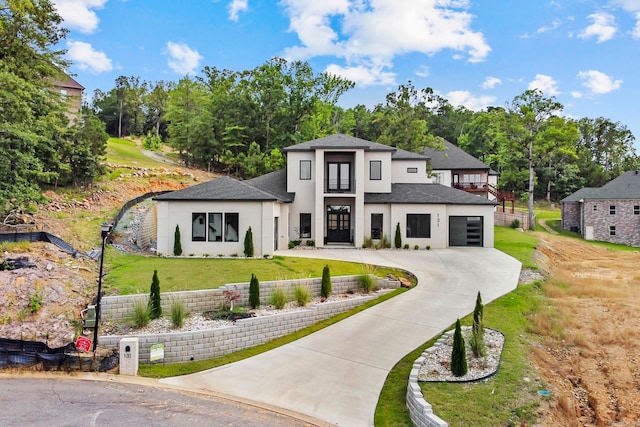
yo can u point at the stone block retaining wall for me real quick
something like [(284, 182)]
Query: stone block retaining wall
[(244, 333)]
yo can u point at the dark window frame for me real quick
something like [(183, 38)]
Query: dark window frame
[(373, 176), (305, 221), (201, 217), (340, 180), (612, 230), (418, 226), (612, 209), (215, 234), (412, 170), (636, 209), (306, 169), (231, 219), (377, 232)]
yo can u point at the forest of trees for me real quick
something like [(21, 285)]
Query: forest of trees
[(237, 122)]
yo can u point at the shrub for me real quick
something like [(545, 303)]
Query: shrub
[(301, 295), (477, 332), (428, 247), (291, 245), (311, 243), (367, 242), (515, 223), (398, 240), (384, 242), (367, 282), (155, 309), (248, 243), (254, 292), (140, 316), (406, 246), (230, 298), (35, 302), (177, 246), (178, 314), (152, 142), (278, 298), (325, 288), (416, 247), (458, 354)]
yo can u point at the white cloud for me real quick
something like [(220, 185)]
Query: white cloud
[(237, 6), (598, 82), (491, 82), (636, 29), (603, 27), (546, 84), (87, 58), (629, 5), (364, 75), (576, 94), (183, 59), (422, 71), (470, 101), (77, 14), (545, 28), (374, 32)]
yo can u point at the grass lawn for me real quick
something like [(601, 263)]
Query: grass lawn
[(503, 400), (126, 153), (132, 274)]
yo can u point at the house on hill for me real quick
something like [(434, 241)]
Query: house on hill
[(70, 92), (610, 213), (335, 191)]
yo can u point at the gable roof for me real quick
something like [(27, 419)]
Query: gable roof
[(226, 189), (340, 141), (626, 186), (66, 81), (274, 183), (431, 194), (452, 158)]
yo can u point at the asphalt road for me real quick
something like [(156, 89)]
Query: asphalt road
[(48, 402)]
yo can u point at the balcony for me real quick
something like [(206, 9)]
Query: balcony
[(471, 187), (342, 186)]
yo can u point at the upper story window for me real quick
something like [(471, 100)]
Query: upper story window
[(375, 170), (437, 177), (63, 94), (636, 210), (472, 178), (612, 210), (412, 170), (339, 176), (305, 169)]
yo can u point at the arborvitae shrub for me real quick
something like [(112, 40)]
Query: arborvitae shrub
[(155, 309), (458, 354), (248, 243), (477, 332), (254, 292), (177, 245), (325, 289), (398, 240)]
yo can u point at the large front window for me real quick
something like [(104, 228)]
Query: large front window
[(339, 177), (198, 227), (376, 226), (418, 225), (214, 227), (231, 227), (305, 225)]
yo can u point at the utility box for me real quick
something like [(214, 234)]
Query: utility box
[(129, 356), (88, 316)]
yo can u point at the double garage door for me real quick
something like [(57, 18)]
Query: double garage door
[(465, 231)]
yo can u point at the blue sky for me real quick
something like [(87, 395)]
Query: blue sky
[(475, 53)]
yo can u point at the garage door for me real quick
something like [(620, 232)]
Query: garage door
[(465, 230)]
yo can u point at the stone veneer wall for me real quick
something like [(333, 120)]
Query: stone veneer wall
[(244, 333), (570, 215), (626, 222)]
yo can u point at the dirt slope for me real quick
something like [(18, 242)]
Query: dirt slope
[(591, 348)]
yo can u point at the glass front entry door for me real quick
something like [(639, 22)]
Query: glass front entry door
[(338, 224)]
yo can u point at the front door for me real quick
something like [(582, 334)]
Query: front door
[(338, 224)]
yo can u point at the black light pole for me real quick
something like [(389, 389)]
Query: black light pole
[(106, 229)]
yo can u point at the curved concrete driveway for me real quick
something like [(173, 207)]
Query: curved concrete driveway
[(336, 374)]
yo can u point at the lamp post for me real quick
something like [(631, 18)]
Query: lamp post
[(105, 230)]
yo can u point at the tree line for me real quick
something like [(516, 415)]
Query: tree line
[(237, 122)]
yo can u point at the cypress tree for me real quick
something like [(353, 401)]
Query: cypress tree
[(154, 307), (458, 354), (478, 313), (177, 246), (254, 292), (325, 288), (248, 243), (398, 241)]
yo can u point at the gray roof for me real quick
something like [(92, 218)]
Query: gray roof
[(227, 189), (430, 194), (626, 186), (452, 158), (274, 183), (340, 141)]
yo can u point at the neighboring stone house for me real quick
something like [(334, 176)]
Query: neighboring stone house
[(71, 93), (337, 190), (610, 213)]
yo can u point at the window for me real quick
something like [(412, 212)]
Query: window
[(418, 225), (339, 176), (214, 229), (636, 210), (471, 178), (375, 170), (231, 227), (198, 227), (305, 225), (376, 226), (612, 210), (595, 208), (612, 230), (412, 170), (305, 169), (437, 177), (63, 94)]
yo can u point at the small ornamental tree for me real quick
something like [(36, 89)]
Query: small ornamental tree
[(248, 243), (477, 332), (177, 246), (398, 241), (154, 307), (254, 292), (458, 354), (325, 288)]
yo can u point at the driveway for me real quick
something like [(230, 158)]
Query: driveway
[(336, 374)]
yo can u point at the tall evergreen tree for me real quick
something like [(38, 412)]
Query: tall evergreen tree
[(325, 286), (177, 244), (254, 292), (459, 353), (398, 238), (154, 307), (248, 243)]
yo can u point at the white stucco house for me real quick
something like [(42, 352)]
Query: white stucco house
[(337, 190)]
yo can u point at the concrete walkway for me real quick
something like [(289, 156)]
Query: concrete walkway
[(336, 374)]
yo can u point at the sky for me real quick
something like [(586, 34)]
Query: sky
[(475, 53)]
